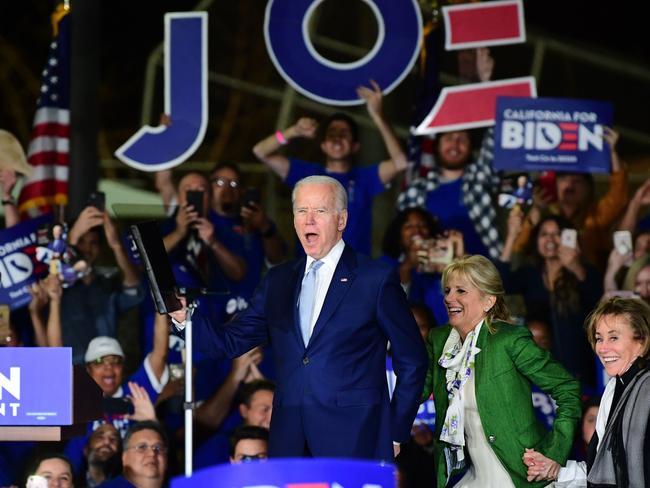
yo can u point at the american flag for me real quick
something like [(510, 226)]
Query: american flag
[(49, 147)]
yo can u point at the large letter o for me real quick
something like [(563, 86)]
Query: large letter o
[(388, 62)]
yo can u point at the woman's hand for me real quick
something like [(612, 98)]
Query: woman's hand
[(143, 409), (570, 259), (540, 467)]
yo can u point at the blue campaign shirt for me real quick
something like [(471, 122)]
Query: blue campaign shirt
[(446, 203), (232, 233), (362, 185)]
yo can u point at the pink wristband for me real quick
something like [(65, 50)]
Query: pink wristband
[(279, 136)]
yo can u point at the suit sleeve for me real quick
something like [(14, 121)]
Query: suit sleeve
[(247, 330), (409, 354), (540, 368)]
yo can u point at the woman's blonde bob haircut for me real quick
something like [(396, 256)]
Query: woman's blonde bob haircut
[(482, 274)]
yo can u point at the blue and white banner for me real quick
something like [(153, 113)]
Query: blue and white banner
[(559, 134), (18, 265), (293, 473), (36, 386)]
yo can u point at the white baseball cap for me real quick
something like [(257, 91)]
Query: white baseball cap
[(102, 346)]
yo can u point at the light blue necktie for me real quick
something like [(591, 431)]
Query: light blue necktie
[(306, 300)]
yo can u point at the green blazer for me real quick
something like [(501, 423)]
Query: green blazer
[(508, 363)]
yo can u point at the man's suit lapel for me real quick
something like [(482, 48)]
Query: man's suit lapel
[(344, 275), (295, 284)]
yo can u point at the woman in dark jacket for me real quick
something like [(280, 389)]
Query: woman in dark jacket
[(619, 451), (559, 285)]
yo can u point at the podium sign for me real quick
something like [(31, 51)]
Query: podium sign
[(35, 386), (293, 473)]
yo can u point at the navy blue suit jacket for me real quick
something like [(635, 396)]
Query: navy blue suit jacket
[(332, 395)]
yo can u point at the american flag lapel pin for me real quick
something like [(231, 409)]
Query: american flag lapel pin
[(344, 280)]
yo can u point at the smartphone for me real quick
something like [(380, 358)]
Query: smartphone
[(195, 198), (442, 252), (623, 242), (569, 238), (252, 195), (97, 199)]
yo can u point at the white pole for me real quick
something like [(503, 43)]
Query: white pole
[(189, 397)]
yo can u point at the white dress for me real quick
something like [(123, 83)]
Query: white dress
[(485, 470)]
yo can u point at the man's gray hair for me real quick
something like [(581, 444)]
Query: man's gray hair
[(340, 195)]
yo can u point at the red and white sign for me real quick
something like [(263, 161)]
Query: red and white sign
[(472, 105), (484, 24)]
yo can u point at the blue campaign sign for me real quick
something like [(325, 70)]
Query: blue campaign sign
[(293, 473), (36, 386), (286, 32), (186, 98), (18, 265), (558, 134)]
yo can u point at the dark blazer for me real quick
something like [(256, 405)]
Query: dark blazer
[(508, 363), (332, 397)]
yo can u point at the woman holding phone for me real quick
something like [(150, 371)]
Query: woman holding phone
[(557, 285)]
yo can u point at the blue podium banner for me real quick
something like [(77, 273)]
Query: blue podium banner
[(293, 473), (558, 134), (36, 386)]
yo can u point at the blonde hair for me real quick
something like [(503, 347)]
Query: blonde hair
[(635, 311), (482, 274), (12, 155)]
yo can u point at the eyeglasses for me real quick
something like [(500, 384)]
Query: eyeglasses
[(108, 361), (225, 182), (247, 458), (143, 447)]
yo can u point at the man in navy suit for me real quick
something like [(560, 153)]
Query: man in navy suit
[(331, 398)]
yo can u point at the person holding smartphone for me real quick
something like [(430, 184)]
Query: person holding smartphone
[(576, 203), (557, 285)]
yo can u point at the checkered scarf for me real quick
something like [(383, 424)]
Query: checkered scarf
[(479, 182)]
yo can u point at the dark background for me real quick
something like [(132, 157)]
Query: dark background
[(130, 30)]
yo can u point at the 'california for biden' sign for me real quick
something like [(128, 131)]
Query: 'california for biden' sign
[(534, 134)]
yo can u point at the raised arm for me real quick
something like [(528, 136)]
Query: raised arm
[(256, 220), (130, 275), (158, 355), (640, 200), (214, 410), (36, 305), (267, 149), (54, 291), (374, 103)]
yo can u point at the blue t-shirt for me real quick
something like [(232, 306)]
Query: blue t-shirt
[(427, 289), (362, 185), (446, 203)]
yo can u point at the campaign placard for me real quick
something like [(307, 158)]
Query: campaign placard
[(18, 265), (293, 473), (559, 134), (36, 386)]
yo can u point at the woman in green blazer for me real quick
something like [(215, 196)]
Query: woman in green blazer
[(480, 372)]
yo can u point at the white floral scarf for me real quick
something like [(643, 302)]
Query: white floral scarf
[(458, 359)]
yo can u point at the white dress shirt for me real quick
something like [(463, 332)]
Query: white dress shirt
[(323, 279)]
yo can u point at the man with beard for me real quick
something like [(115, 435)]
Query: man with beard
[(102, 453), (457, 190)]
